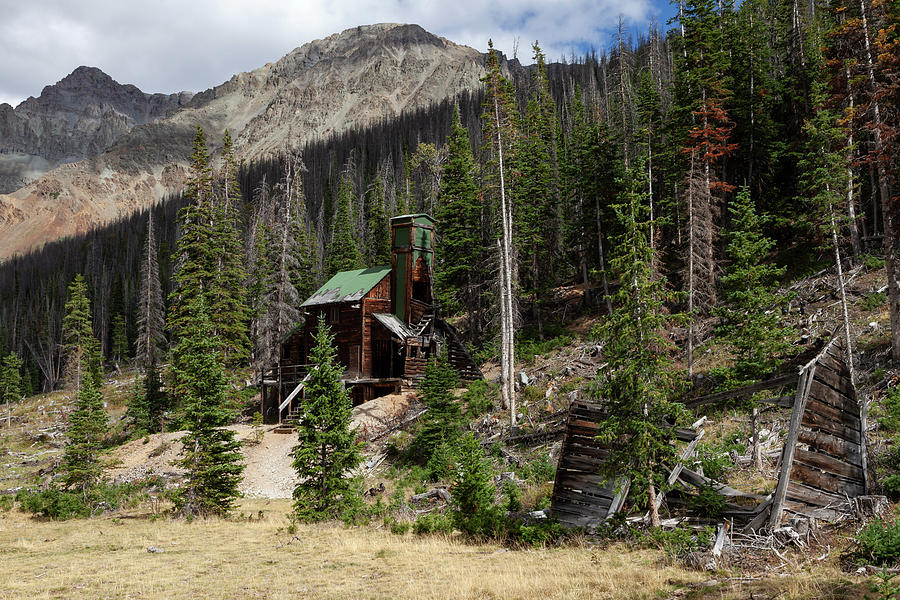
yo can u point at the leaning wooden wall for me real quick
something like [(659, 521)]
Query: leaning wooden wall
[(824, 459), (582, 497)]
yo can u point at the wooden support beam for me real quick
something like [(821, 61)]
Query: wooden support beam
[(790, 443), (776, 382)]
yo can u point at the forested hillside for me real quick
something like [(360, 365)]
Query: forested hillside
[(791, 107)]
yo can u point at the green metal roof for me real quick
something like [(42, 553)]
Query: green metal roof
[(348, 286)]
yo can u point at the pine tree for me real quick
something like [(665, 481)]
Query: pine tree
[(750, 324), (535, 203), (11, 379), (119, 338), (639, 380), (79, 344), (378, 247), (343, 252), (210, 455), (458, 219), (196, 256), (472, 507), (227, 296), (327, 451), (441, 422), (81, 463), (148, 403), (151, 313)]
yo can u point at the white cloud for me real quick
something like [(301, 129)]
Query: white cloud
[(170, 45)]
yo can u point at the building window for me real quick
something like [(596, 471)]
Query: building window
[(333, 315)]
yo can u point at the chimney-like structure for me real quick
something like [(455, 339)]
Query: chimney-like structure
[(412, 256)]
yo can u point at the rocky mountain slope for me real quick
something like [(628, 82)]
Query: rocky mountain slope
[(79, 116), (324, 87)]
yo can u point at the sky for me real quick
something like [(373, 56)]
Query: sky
[(174, 45)]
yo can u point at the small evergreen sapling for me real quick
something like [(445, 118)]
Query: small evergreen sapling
[(473, 509), (326, 451), (87, 426), (440, 427)]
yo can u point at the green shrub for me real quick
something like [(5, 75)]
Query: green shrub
[(873, 301), (708, 502), (539, 534), (878, 543), (872, 262), (716, 458), (7, 502), (513, 496), (889, 411), (54, 503), (675, 542), (539, 470), (60, 504), (479, 397), (399, 527), (891, 486), (432, 523)]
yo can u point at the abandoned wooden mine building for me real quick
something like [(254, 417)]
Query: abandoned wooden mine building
[(384, 322)]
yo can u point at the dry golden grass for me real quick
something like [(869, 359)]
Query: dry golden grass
[(108, 558)]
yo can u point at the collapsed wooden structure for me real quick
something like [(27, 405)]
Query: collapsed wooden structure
[(823, 462), (385, 326)]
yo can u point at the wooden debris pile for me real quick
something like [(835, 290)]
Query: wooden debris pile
[(822, 466)]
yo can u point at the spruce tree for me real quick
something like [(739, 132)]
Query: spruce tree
[(210, 454), (441, 424), (343, 252), (458, 219), (119, 338), (472, 508), (196, 256), (87, 424), (151, 320), (80, 347), (227, 296), (639, 380), (326, 451), (11, 379), (750, 324), (378, 237)]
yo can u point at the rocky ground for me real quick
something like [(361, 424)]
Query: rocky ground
[(267, 454)]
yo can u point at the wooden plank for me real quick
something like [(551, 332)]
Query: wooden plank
[(776, 382), (817, 421), (828, 463), (842, 385), (828, 482), (673, 476), (812, 496), (787, 453), (831, 413), (831, 444), (587, 482), (691, 477), (764, 509)]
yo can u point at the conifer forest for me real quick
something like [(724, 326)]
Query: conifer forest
[(684, 184)]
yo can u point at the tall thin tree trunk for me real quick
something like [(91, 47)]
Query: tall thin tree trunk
[(885, 192)]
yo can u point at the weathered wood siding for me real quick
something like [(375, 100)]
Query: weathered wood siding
[(828, 461), (581, 497)]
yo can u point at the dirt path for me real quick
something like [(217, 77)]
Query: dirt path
[(268, 472)]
